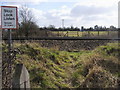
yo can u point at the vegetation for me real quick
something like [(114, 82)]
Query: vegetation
[(50, 68), (29, 28), (72, 28), (85, 33)]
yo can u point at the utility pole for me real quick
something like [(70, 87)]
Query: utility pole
[(63, 23)]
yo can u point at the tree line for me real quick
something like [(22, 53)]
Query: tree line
[(28, 26), (96, 28)]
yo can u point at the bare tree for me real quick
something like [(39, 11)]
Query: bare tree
[(25, 14), (27, 23)]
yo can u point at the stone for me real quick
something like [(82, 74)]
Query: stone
[(21, 77)]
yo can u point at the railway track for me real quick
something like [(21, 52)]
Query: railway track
[(62, 38)]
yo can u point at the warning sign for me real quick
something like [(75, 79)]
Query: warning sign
[(9, 19)]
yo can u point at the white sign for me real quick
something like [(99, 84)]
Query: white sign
[(9, 17)]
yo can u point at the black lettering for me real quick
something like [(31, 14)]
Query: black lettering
[(4, 14), (7, 22), (6, 10), (11, 15), (8, 15), (8, 18)]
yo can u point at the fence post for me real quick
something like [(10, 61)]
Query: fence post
[(88, 33), (67, 34), (98, 33), (108, 33), (21, 78), (78, 33), (58, 33), (46, 33), (82, 33)]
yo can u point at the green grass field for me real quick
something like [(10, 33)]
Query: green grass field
[(84, 33)]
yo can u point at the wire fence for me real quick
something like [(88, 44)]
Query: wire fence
[(84, 33), (53, 34)]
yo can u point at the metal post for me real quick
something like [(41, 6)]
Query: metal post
[(0, 59), (9, 57), (9, 40)]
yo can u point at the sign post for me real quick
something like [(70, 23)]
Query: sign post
[(9, 20)]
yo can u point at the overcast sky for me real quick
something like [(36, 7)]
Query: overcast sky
[(77, 13)]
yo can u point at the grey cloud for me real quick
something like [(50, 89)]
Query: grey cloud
[(92, 18), (50, 16), (81, 10), (50, 20)]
